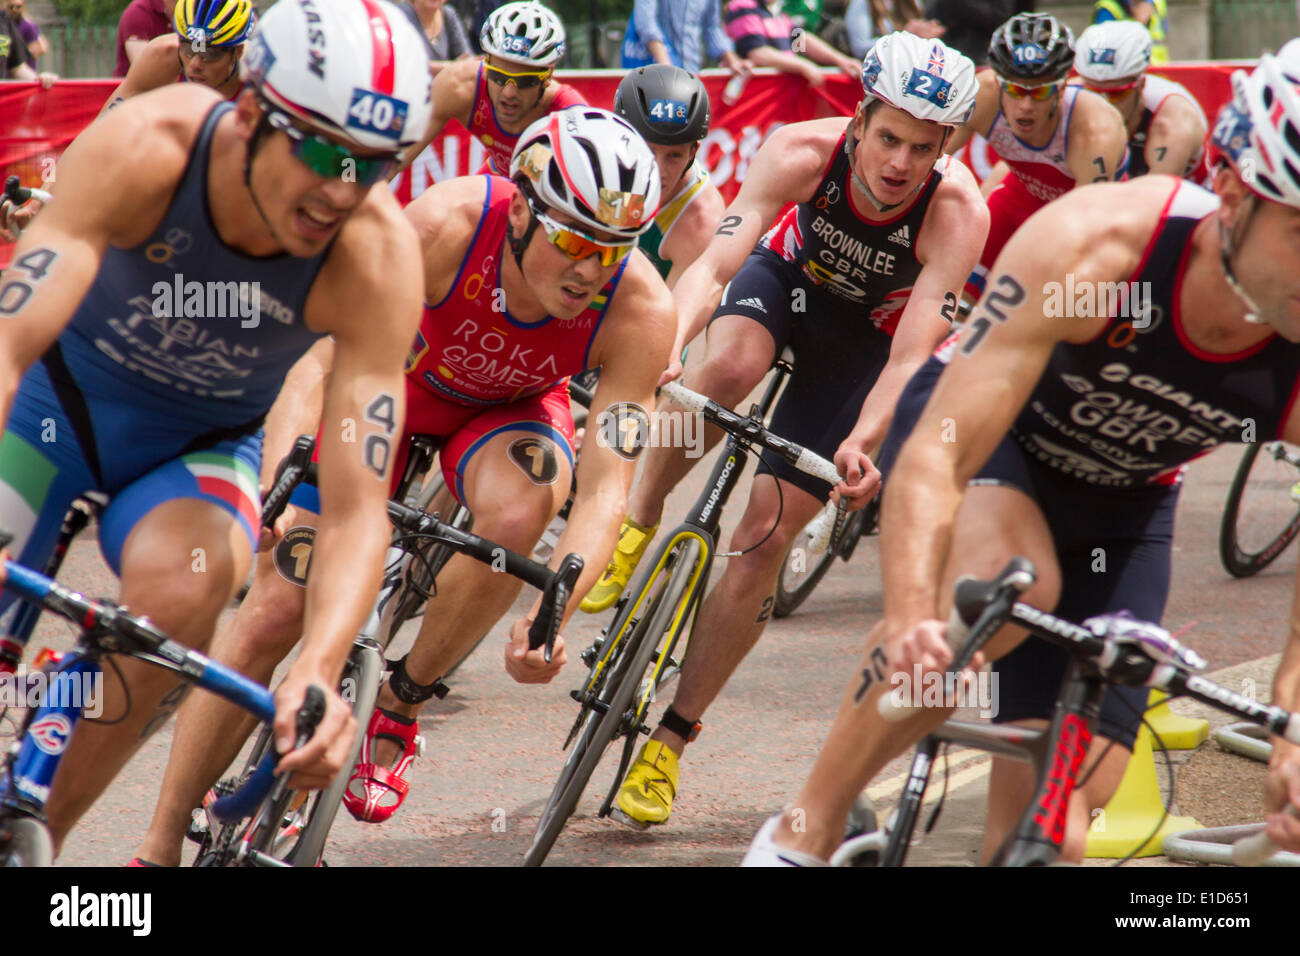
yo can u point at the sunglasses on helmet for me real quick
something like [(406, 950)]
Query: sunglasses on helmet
[(524, 81), (332, 160), (1018, 91), (577, 245)]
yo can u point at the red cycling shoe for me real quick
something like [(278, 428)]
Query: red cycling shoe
[(374, 793)]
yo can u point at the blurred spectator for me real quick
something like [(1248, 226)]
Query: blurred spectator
[(765, 36), (141, 21), (37, 45), (444, 34), (13, 55), (867, 20), (1153, 15), (482, 10), (808, 14), (969, 24), (679, 32)]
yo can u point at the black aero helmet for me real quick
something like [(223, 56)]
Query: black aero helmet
[(665, 104), (1032, 46)]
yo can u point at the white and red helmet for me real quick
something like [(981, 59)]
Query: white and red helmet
[(1258, 131), (354, 68), (593, 165), (526, 32)]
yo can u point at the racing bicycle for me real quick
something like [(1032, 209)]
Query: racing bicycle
[(639, 653), (1262, 513)]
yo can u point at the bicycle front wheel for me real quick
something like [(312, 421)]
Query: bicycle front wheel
[(798, 578), (616, 698), (1262, 513)]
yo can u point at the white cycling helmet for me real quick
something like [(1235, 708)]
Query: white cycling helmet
[(1114, 50), (1258, 131), (354, 68), (526, 32), (592, 165), (924, 78)]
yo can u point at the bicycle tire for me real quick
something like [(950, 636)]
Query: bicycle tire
[(789, 596), (366, 668), (1260, 518), (25, 842), (623, 684), (412, 601)]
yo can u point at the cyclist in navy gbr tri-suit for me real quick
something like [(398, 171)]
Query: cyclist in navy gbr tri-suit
[(1057, 433), (148, 325)]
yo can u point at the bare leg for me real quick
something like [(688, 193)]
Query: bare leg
[(740, 352), (160, 579), (993, 524), (210, 731), (737, 609)]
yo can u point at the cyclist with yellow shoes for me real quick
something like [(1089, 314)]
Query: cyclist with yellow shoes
[(860, 278)]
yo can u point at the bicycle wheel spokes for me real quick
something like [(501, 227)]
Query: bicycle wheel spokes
[(680, 569), (1262, 513)]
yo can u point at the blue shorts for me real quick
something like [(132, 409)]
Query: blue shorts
[(62, 440), (838, 354), (1127, 532)]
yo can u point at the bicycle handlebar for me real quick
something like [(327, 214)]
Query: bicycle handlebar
[(110, 628), (751, 430), (20, 195)]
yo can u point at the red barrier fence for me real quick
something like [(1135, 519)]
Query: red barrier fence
[(38, 124)]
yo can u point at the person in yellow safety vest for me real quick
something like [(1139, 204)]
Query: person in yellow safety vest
[(1152, 14)]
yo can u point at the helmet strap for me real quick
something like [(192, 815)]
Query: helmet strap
[(519, 243), (851, 147), (255, 141), (1228, 242)]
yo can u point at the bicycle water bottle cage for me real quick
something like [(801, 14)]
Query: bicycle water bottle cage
[(1123, 631)]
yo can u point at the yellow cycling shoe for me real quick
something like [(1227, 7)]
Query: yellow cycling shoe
[(646, 797), (632, 542)]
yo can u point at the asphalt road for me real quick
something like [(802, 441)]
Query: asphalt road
[(494, 747)]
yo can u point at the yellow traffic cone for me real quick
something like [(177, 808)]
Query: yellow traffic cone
[(1174, 732), (1131, 816)]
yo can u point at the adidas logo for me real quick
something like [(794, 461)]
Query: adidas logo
[(754, 303), (902, 236)]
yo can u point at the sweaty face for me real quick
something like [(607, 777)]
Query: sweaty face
[(673, 162), (563, 285), (512, 104), (895, 152)]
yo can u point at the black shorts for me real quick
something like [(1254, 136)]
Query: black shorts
[(1114, 548), (838, 356)]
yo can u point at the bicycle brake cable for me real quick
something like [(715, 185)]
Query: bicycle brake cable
[(780, 509)]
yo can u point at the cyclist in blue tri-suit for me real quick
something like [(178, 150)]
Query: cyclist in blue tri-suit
[(194, 251)]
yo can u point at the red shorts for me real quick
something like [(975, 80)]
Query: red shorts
[(464, 430), (1010, 204)]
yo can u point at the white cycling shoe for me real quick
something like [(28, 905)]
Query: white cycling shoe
[(764, 852)]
